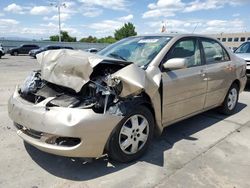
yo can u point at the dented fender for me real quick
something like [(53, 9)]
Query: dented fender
[(135, 80)]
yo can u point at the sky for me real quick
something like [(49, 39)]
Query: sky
[(38, 19)]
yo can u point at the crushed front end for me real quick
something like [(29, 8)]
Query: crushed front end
[(71, 106), (57, 120)]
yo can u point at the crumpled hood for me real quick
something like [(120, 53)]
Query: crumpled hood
[(68, 68)]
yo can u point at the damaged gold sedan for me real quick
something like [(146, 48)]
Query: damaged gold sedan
[(85, 105)]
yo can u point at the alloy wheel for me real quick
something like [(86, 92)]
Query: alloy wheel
[(232, 99), (134, 134)]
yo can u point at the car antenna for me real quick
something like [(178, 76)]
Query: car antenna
[(195, 27)]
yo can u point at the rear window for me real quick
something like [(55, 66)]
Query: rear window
[(214, 52)]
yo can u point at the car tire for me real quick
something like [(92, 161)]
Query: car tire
[(231, 100), (15, 53), (132, 136)]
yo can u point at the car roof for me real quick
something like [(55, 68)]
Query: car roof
[(52, 46), (175, 35), (29, 44)]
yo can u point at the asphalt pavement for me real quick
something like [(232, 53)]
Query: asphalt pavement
[(207, 150)]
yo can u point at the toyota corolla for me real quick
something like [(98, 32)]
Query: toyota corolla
[(80, 104)]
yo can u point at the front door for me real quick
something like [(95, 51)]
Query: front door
[(184, 90)]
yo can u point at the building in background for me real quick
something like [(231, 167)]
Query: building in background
[(232, 40)]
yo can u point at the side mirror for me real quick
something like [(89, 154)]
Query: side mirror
[(175, 63)]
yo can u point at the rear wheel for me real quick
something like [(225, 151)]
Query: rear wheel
[(132, 136), (230, 103)]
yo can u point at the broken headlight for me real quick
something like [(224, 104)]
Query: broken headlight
[(31, 83), (114, 83)]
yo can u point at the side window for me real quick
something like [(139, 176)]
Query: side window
[(188, 49), (214, 52)]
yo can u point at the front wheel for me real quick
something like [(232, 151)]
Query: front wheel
[(15, 53), (132, 135), (230, 103)]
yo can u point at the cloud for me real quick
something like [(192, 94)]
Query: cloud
[(168, 8), (63, 17), (236, 15), (211, 4), (203, 25), (109, 26), (109, 4), (91, 11), (157, 13), (8, 26), (206, 5), (40, 10), (14, 8), (163, 8), (126, 18), (106, 26), (8, 22), (218, 26), (52, 28)]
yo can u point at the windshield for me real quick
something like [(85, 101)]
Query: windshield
[(139, 50), (244, 48)]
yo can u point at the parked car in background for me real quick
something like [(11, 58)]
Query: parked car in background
[(23, 49), (84, 105), (2, 52), (34, 52), (92, 50), (244, 52)]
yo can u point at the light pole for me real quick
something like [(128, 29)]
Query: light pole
[(58, 5)]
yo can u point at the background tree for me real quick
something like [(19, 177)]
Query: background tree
[(108, 39), (65, 37), (89, 39), (125, 31)]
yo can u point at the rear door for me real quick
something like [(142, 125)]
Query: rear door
[(22, 49), (184, 90), (220, 71), (26, 49)]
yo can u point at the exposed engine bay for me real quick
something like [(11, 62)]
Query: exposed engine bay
[(101, 92)]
